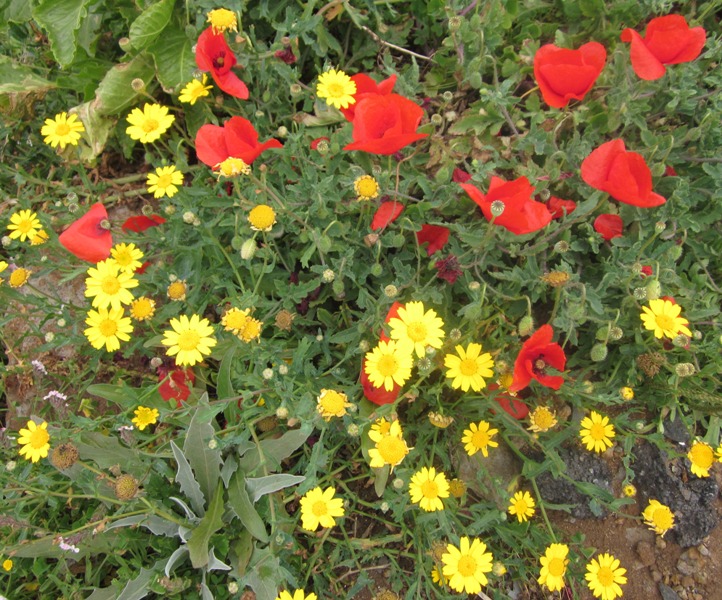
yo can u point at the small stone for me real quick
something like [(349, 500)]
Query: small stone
[(688, 581), (701, 577), (657, 577), (693, 554), (685, 568), (645, 552), (703, 550), (667, 592), (660, 543)]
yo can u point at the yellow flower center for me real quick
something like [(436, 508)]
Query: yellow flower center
[(235, 319), (543, 418), (480, 438), (39, 438), (233, 166), (251, 330), (18, 277), (388, 365), (320, 508), (556, 567), (110, 285), (336, 90), (429, 489), (521, 507), (467, 566), (702, 456), (605, 576), (142, 308), (596, 431), (262, 217), (366, 187), (108, 328), (176, 290), (62, 129), (333, 402), (665, 322), (25, 226), (663, 518), (188, 340), (165, 180), (150, 125), (416, 331), (468, 367), (392, 449)]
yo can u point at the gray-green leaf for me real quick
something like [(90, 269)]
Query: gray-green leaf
[(201, 535)]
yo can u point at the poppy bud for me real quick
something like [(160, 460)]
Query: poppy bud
[(248, 249), (653, 289), (526, 325), (599, 352)]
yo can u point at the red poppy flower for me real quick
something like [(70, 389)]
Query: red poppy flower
[(623, 175), (386, 213), (376, 395), (365, 87), (213, 54), (448, 269), (140, 223), (317, 141), (460, 176), (383, 124), (511, 405), (609, 226), (176, 384), (667, 41), (559, 208), (537, 354), (646, 271), (436, 235), (521, 214), (237, 138), (86, 239), (564, 74)]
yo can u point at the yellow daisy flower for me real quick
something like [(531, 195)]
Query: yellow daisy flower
[(427, 488), (194, 90), (522, 505), (108, 286), (3, 266), (438, 577), (19, 277), (629, 491), (389, 364), (39, 238), (702, 457), (553, 567), (416, 327), (177, 290), (662, 317), (319, 507), (164, 182), (469, 368), (62, 131), (604, 577), (148, 124), (142, 309), (332, 404), (479, 438), (234, 320), (466, 566), (144, 416), (626, 393), (336, 88), (658, 517), (8, 565), (541, 419), (262, 218), (251, 330), (596, 432), (390, 448), (35, 442), (222, 19), (107, 328), (297, 595), (366, 187), (127, 257), (382, 427), (189, 339), (23, 225)]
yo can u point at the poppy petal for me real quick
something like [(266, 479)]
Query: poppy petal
[(435, 235), (86, 239), (386, 213)]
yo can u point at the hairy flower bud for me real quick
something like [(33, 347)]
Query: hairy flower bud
[(391, 291), (599, 352), (248, 249), (653, 289), (526, 325), (328, 276)]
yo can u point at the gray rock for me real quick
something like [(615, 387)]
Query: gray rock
[(667, 592)]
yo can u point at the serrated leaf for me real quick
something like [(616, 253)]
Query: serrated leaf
[(174, 58), (260, 486), (201, 535), (242, 507), (106, 451), (115, 92), (62, 19), (188, 484), (205, 461), (150, 23), (19, 79), (274, 451)]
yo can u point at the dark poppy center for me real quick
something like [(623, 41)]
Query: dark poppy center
[(219, 61)]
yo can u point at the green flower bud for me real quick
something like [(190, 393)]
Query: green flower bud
[(653, 289), (526, 326), (248, 249), (599, 352), (376, 270)]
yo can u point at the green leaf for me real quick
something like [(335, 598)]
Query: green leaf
[(150, 23), (188, 484), (120, 394), (242, 507), (97, 130), (201, 535), (19, 79), (260, 486), (224, 386), (137, 588), (272, 452), (18, 11), (206, 462), (174, 58), (264, 574), (115, 93), (106, 452), (61, 19)]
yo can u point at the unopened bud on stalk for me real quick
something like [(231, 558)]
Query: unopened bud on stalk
[(448, 96), (328, 276), (156, 362), (526, 326), (437, 120), (545, 195), (653, 289), (599, 352), (391, 291), (615, 333), (660, 226), (124, 44), (454, 23), (248, 249)]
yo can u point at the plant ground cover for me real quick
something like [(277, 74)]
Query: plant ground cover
[(359, 299)]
